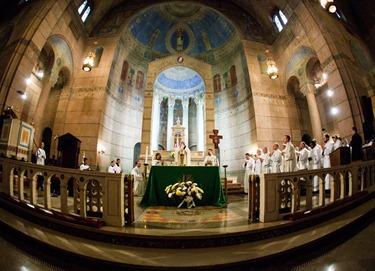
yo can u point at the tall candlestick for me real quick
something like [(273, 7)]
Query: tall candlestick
[(146, 155), (224, 157)]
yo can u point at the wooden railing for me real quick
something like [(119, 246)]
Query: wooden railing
[(99, 194), (272, 196)]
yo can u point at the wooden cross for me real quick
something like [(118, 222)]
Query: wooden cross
[(216, 138)]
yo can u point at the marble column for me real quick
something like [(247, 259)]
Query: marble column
[(155, 122), (185, 117), (171, 103), (309, 91), (200, 124)]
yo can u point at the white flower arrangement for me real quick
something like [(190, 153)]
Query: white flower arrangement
[(171, 154), (185, 191)]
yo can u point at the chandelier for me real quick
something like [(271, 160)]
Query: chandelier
[(272, 70), (329, 5), (88, 63)]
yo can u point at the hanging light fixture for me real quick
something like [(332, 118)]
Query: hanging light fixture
[(329, 5), (88, 63), (22, 94), (272, 70)]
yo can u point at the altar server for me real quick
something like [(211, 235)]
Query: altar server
[(210, 159)]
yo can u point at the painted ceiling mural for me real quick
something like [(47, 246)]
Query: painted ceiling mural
[(181, 28)]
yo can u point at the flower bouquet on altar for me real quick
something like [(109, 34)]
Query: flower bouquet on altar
[(171, 154), (185, 191)]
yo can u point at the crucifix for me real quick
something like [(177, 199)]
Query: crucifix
[(216, 138)]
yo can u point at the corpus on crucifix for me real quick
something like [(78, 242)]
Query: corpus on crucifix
[(216, 138)]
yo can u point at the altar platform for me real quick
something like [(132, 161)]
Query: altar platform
[(163, 244)]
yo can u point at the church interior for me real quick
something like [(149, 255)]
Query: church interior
[(128, 79)]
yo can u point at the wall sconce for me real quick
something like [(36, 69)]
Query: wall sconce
[(329, 5), (22, 94), (88, 63), (272, 70), (40, 73), (101, 152)]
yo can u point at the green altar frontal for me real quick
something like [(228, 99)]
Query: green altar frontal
[(207, 178)]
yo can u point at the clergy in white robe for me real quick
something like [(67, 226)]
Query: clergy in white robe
[(210, 159), (289, 154), (266, 163), (258, 160), (249, 169), (182, 155), (139, 184), (327, 149), (316, 156), (303, 155), (276, 158)]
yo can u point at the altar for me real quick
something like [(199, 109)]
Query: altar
[(207, 178)]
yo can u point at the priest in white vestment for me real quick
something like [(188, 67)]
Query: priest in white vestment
[(316, 156), (289, 154), (210, 159), (327, 149), (276, 158), (303, 155), (249, 169), (258, 160), (138, 179), (182, 155), (266, 163)]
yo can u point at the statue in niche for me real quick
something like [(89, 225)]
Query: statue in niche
[(206, 41), (180, 40)]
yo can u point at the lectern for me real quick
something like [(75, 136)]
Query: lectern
[(340, 156)]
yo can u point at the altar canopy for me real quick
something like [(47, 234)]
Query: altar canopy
[(208, 178)]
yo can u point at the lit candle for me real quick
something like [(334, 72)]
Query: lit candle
[(146, 155)]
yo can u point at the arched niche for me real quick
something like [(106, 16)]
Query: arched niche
[(154, 69)]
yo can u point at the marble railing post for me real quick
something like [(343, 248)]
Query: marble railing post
[(170, 124)]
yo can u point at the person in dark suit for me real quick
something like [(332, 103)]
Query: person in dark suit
[(356, 144)]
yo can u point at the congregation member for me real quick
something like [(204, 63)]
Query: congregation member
[(249, 168), (211, 159), (182, 155), (289, 154), (266, 163), (356, 144), (258, 162), (138, 179), (327, 149), (85, 165), (303, 155), (111, 168), (157, 161), (276, 158), (118, 168)]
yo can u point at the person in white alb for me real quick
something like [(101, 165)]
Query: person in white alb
[(336, 142), (117, 166), (289, 154), (249, 167), (182, 155), (266, 163), (40, 160), (258, 160), (84, 165), (157, 161), (138, 179), (111, 168), (316, 156), (303, 155), (276, 158), (327, 149), (210, 159)]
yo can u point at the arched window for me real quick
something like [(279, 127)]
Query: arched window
[(279, 19), (124, 71), (233, 75), (85, 9), (217, 83)]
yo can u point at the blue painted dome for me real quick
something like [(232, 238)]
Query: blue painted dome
[(179, 81), (181, 28)]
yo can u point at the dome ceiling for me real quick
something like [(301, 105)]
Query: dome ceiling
[(181, 28), (179, 81)]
